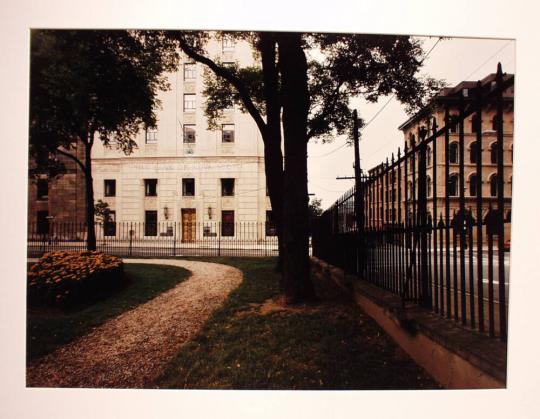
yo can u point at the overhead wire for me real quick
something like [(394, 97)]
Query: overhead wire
[(381, 109)]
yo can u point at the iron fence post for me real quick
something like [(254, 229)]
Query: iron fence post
[(425, 299)]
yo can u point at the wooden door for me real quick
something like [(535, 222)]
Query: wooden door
[(189, 225)]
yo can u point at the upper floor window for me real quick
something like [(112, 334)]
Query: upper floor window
[(454, 124), (227, 43), (190, 71), (428, 186), (493, 153), (472, 185), (474, 123), (189, 102), (151, 135), (110, 187), (42, 189), (227, 187), (493, 185), (189, 133), (428, 156), (453, 153), (227, 133), (494, 123), (452, 185), (188, 187), (473, 152), (150, 187)]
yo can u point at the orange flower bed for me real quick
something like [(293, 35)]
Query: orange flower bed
[(65, 278)]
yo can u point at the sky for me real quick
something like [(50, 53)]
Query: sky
[(454, 60)]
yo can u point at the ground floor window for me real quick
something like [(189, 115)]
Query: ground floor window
[(109, 226), (270, 224), (227, 223), (150, 223), (42, 222)]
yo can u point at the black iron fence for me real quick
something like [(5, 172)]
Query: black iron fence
[(436, 220), (158, 239)]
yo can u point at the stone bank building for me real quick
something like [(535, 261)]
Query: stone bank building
[(181, 171)]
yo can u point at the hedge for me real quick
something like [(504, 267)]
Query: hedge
[(66, 278)]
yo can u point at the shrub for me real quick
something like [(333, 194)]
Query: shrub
[(66, 278)]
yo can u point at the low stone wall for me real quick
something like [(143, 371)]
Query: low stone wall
[(456, 357)]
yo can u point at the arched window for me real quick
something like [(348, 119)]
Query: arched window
[(452, 185), (472, 185), (453, 152), (493, 153), (454, 126), (428, 186), (474, 123), (428, 156), (493, 185), (473, 152)]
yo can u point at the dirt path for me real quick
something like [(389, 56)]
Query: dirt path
[(131, 350)]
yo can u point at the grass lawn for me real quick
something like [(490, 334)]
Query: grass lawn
[(48, 328), (254, 343)]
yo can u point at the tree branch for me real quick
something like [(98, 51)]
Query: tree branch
[(72, 157), (327, 109), (227, 75)]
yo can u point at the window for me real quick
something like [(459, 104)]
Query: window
[(494, 123), (151, 136), (452, 185), (227, 187), (428, 186), (189, 102), (109, 225), (472, 185), (493, 153), (428, 156), (409, 189), (227, 133), (150, 223), (270, 224), (189, 71), (493, 185), (42, 189), (189, 133), (42, 222), (473, 152), (188, 187), (110, 187), (454, 125), (227, 43), (227, 223), (150, 187), (475, 123), (453, 152)]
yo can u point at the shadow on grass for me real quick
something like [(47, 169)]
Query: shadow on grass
[(49, 328), (253, 342)]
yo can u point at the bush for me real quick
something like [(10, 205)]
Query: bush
[(66, 278)]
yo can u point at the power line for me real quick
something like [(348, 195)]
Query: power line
[(484, 63), (381, 109)]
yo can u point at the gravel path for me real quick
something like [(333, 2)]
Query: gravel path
[(131, 350)]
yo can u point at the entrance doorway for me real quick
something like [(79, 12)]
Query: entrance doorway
[(189, 225)]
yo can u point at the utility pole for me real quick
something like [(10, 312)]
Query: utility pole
[(359, 196)]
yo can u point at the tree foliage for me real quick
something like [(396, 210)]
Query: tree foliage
[(94, 81), (341, 67), (93, 84)]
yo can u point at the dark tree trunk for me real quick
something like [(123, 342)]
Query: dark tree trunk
[(273, 157), (89, 189), (295, 98)]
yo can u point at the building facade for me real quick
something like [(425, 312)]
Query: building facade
[(386, 207), (182, 171)]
